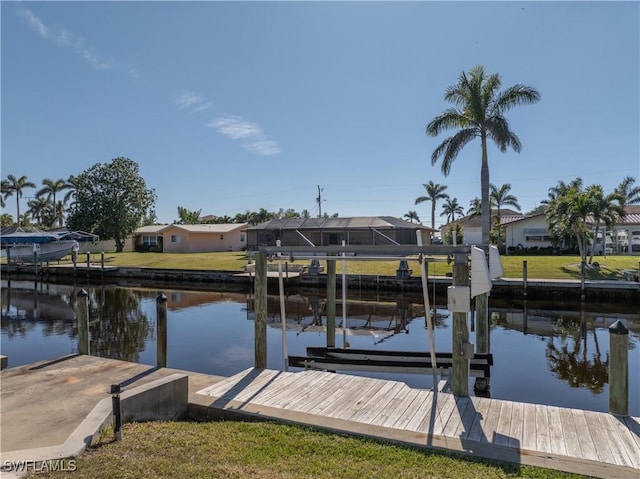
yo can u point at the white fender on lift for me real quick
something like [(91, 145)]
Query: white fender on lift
[(495, 263), (480, 277)]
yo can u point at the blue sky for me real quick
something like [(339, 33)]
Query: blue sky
[(234, 106)]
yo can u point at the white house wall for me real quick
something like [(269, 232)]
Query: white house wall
[(516, 233)]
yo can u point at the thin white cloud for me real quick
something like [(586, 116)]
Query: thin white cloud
[(204, 106), (263, 147), (237, 128), (188, 98), (76, 43), (34, 22)]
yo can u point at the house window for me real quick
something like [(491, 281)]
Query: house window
[(175, 239), (149, 240), (242, 237)]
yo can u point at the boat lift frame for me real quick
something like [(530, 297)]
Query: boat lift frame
[(420, 253)]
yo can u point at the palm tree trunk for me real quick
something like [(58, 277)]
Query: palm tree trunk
[(595, 240), (433, 214), (484, 185)]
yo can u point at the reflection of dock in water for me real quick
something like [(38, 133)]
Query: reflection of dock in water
[(545, 322), (37, 304)]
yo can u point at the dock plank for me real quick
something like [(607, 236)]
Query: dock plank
[(444, 407), (294, 387), (466, 422), (601, 442), (455, 421), (571, 442), (529, 428), (476, 433), (502, 432), (396, 408), (543, 434), (323, 395), (585, 441), (420, 402), (516, 429), (556, 436), (623, 442), (358, 404), (378, 401)]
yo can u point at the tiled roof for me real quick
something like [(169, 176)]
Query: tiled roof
[(357, 222), (199, 228)]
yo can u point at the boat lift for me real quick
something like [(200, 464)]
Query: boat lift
[(458, 298)]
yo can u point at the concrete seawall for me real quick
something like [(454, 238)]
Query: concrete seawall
[(554, 289)]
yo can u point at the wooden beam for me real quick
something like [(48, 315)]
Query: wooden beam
[(260, 322)]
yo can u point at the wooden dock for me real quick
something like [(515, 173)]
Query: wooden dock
[(573, 440)]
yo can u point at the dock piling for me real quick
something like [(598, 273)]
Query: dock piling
[(260, 324), (618, 369), (161, 325)]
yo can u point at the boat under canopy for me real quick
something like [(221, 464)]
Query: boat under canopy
[(37, 246)]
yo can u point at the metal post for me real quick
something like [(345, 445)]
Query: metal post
[(345, 343), (618, 369), (260, 323), (82, 317), (427, 316), (161, 325), (331, 303), (283, 315), (117, 412), (524, 277)]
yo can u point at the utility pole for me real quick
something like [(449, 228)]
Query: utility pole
[(319, 200)]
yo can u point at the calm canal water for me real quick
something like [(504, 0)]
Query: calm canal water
[(553, 354)]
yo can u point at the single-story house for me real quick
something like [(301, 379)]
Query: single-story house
[(199, 238), (360, 230), (472, 225), (532, 231), (527, 232)]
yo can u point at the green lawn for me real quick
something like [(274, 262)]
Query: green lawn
[(552, 267), (269, 451)]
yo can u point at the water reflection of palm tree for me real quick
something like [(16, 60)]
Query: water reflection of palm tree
[(123, 327), (574, 366)]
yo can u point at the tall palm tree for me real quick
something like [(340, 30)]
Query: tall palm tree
[(72, 189), (434, 192), (51, 188), (629, 194), (41, 211), (450, 209), (478, 112), (605, 208), (412, 215), (501, 197), (568, 212), (14, 185), (475, 207)]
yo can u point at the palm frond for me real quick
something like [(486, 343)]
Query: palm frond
[(516, 95), (450, 118)]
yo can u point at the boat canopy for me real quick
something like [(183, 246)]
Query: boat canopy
[(30, 237)]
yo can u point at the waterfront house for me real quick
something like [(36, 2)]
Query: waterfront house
[(360, 230), (198, 238), (472, 226)]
